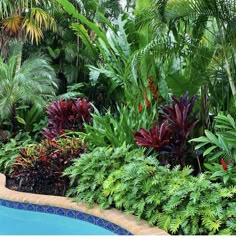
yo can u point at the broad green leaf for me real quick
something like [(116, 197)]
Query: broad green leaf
[(212, 138), (223, 145), (231, 120), (72, 10), (209, 150), (20, 120), (83, 34), (216, 155), (225, 179), (200, 139), (198, 146), (219, 174), (209, 167)]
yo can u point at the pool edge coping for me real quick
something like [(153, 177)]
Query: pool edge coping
[(126, 221)]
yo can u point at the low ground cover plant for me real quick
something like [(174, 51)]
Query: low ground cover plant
[(88, 173), (171, 199)]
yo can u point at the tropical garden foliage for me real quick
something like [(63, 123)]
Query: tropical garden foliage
[(123, 104)]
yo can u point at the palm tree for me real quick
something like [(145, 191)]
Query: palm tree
[(205, 22), (25, 20), (33, 83)]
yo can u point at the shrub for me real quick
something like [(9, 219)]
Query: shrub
[(170, 140), (115, 129), (67, 115), (39, 167), (10, 150), (219, 149), (88, 173), (173, 200)]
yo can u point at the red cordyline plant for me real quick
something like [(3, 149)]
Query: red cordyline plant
[(157, 137), (67, 115), (179, 116), (178, 124)]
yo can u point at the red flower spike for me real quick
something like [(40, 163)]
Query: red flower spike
[(152, 87), (140, 107), (147, 103), (231, 161), (224, 164)]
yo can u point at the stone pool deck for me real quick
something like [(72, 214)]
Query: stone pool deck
[(127, 221)]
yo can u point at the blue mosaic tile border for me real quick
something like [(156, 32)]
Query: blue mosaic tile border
[(67, 213)]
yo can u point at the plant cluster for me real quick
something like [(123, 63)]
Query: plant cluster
[(114, 129), (39, 167), (10, 150), (169, 139), (168, 198), (129, 62), (67, 115), (173, 200), (88, 173), (219, 149)]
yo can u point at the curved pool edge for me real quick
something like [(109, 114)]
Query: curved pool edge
[(126, 221)]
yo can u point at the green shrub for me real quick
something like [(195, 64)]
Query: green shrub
[(115, 129), (173, 200), (219, 149), (89, 172), (10, 150)]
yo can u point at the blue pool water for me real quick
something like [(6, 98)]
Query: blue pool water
[(23, 222)]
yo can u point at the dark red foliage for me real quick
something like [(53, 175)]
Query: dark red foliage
[(67, 115), (174, 132), (157, 137), (179, 116), (39, 168)]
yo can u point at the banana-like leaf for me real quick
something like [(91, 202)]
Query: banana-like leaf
[(82, 32), (69, 8)]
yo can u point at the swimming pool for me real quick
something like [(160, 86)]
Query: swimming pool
[(18, 222), (31, 219)]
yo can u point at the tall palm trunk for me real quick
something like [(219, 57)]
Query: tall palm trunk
[(228, 70), (19, 60), (14, 122)]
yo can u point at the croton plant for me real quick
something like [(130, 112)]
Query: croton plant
[(39, 167)]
